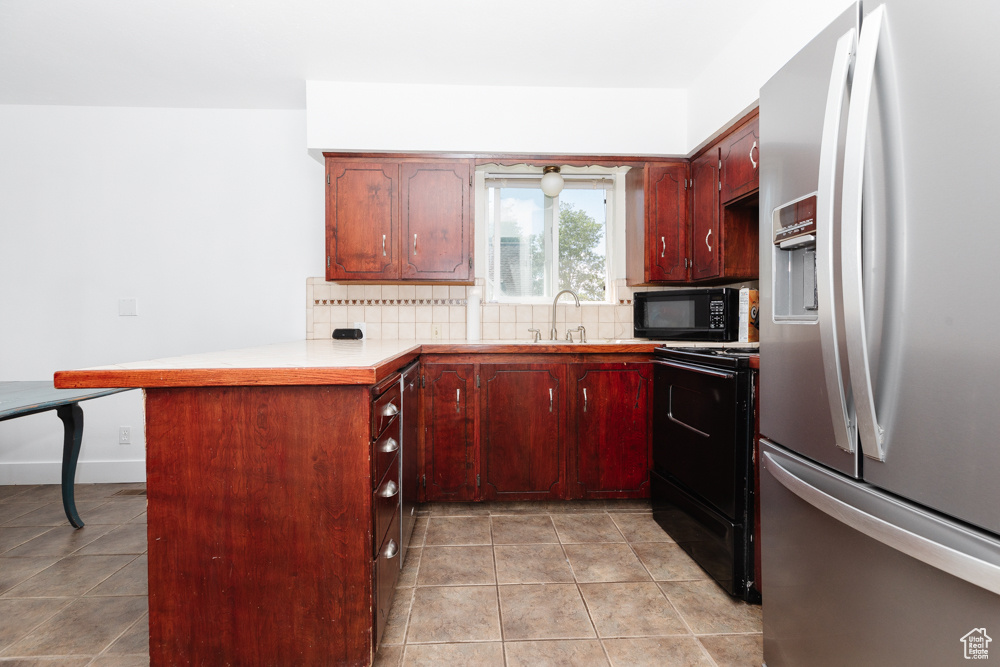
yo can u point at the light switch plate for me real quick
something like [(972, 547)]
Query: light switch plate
[(126, 308)]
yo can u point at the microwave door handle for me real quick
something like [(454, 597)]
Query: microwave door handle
[(871, 433), (827, 228)]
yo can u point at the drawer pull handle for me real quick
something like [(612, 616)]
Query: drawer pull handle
[(414, 244), (391, 550), (383, 245), (458, 400), (752, 161), (390, 410), (390, 445), (663, 240), (584, 399), (550, 399), (389, 489)]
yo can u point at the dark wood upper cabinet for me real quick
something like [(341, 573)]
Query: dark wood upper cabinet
[(713, 239), (522, 431), (449, 461), (436, 210), (362, 217), (610, 414), (399, 220), (705, 239), (740, 170), (665, 222)]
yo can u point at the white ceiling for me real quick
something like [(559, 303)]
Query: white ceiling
[(259, 53)]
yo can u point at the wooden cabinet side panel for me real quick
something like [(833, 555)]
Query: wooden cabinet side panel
[(636, 257), (259, 525), (449, 409), (522, 431), (612, 429), (436, 220), (667, 223), (362, 217)]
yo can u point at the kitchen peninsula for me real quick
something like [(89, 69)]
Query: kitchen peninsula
[(264, 544)]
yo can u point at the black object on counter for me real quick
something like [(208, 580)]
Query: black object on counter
[(348, 334)]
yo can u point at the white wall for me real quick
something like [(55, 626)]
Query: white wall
[(730, 85), (211, 219), (344, 116)]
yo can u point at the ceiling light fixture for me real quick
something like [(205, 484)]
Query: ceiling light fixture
[(552, 181)]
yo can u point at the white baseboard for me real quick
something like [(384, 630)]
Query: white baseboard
[(87, 472)]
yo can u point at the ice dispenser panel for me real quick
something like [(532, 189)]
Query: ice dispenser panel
[(793, 229)]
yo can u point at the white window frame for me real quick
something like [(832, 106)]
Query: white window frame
[(614, 236)]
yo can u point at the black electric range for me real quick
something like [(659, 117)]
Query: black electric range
[(702, 476)]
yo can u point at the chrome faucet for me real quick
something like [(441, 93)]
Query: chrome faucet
[(553, 334)]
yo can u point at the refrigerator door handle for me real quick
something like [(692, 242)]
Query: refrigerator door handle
[(956, 562), (872, 435), (845, 434)]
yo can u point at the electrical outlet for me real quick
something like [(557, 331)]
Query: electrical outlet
[(126, 308), (436, 331), (124, 435), (364, 328)]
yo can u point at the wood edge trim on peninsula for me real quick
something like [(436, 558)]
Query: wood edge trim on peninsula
[(233, 377)]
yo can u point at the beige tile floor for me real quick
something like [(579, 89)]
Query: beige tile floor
[(584, 583), (579, 583), (73, 597)]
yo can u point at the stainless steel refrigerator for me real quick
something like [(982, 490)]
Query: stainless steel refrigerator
[(880, 340)]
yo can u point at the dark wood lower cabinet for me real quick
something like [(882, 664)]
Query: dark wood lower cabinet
[(610, 411), (523, 427), (449, 456), (260, 525)]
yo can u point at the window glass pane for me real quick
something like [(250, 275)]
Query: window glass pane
[(538, 245), (582, 242), (517, 239)]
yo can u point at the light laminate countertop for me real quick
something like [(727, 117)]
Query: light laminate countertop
[(316, 362)]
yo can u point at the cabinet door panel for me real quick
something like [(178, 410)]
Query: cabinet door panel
[(522, 417), (361, 220), (740, 162), (436, 220), (449, 461), (612, 408), (705, 216), (667, 223)]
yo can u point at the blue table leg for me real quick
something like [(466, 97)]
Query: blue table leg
[(72, 418)]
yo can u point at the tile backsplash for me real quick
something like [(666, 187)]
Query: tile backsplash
[(426, 312)]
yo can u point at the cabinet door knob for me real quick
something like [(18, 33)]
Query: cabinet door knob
[(389, 489), (752, 161), (391, 549), (584, 399), (383, 245), (414, 244), (706, 240), (663, 240), (458, 400), (550, 399)]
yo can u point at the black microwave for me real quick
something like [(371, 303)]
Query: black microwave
[(708, 314)]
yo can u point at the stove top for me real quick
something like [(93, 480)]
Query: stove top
[(732, 357)]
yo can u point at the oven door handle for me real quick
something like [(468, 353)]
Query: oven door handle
[(696, 369)]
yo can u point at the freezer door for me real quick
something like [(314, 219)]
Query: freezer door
[(799, 400), (923, 324), (853, 576)]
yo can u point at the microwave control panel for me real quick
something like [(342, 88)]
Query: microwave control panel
[(716, 314)]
